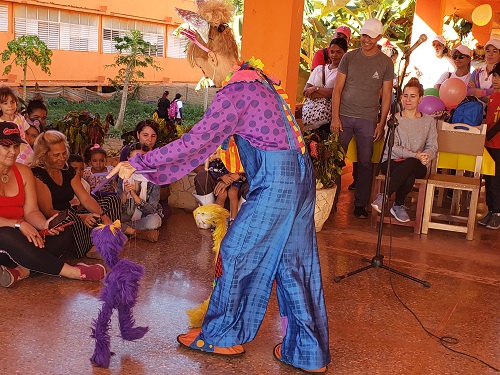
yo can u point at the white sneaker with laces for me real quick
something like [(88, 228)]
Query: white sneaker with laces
[(377, 203)]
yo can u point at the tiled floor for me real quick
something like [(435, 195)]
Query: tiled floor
[(46, 320)]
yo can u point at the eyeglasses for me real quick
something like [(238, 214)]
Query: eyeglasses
[(461, 57)]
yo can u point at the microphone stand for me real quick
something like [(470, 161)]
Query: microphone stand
[(378, 260)]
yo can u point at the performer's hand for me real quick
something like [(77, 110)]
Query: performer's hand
[(379, 132), (123, 169), (336, 125)]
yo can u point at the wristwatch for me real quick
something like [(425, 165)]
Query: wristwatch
[(17, 225)]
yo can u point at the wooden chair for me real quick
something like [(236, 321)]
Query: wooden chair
[(455, 141), (419, 188)]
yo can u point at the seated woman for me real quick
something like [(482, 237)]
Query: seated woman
[(415, 146), (146, 131), (23, 247), (57, 184), (141, 209)]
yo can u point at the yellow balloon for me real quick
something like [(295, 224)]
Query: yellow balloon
[(341, 3), (482, 14)]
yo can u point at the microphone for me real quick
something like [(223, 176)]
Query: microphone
[(420, 40)]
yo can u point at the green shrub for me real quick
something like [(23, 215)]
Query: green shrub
[(135, 111)]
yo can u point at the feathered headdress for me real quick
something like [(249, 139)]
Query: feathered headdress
[(212, 14)]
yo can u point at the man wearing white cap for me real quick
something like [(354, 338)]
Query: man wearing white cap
[(480, 83), (462, 57), (362, 74)]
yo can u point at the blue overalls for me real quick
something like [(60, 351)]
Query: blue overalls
[(272, 238)]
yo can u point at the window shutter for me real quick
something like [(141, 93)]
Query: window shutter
[(177, 47), (4, 18), (74, 34)]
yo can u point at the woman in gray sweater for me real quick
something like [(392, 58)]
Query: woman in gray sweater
[(415, 146)]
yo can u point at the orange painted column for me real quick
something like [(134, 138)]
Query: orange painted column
[(428, 18), (272, 32)]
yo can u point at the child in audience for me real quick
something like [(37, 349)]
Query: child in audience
[(140, 200), (96, 158), (8, 112), (228, 184), (35, 128), (37, 110), (76, 161)]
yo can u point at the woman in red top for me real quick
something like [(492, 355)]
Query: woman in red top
[(22, 247)]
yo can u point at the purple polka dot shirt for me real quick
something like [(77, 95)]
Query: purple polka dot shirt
[(247, 108)]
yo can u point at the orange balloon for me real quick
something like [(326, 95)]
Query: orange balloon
[(482, 14), (452, 91)]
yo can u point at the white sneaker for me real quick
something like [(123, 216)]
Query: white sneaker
[(399, 212), (377, 203)]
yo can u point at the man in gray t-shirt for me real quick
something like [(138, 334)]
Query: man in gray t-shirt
[(364, 75)]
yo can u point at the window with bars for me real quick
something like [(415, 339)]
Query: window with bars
[(151, 33), (70, 31), (4, 17)]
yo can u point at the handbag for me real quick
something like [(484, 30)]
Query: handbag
[(317, 111)]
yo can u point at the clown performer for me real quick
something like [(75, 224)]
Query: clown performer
[(273, 237)]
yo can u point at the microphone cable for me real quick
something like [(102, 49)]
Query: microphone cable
[(445, 340)]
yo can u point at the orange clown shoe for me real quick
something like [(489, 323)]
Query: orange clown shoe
[(192, 340), (277, 355)]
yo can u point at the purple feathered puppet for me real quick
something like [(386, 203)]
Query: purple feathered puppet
[(119, 292)]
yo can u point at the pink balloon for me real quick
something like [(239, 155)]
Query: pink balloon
[(452, 91), (431, 104)]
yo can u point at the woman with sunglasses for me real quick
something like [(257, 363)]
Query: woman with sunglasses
[(461, 56)]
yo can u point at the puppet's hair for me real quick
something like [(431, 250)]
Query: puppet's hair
[(218, 14)]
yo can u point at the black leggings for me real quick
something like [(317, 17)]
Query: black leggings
[(15, 249), (493, 183), (403, 175)]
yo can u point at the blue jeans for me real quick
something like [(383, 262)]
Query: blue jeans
[(362, 130), (151, 221)]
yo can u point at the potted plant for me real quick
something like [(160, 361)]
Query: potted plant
[(327, 157)]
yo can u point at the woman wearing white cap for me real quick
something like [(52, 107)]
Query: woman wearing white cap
[(480, 83), (462, 57), (437, 65)]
